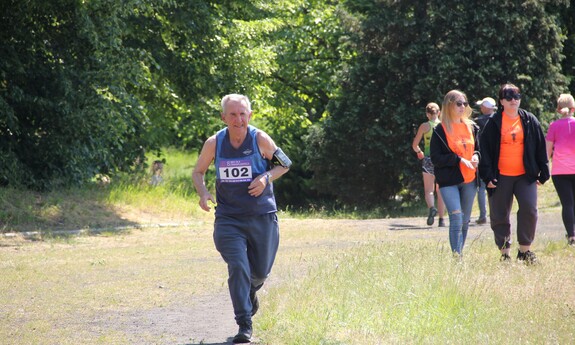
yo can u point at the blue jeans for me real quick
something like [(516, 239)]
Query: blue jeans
[(481, 200), (458, 200)]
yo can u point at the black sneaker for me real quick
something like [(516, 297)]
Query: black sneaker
[(255, 302), (431, 216), (441, 223), (481, 221), (505, 258), (571, 242), (244, 335), (528, 257)]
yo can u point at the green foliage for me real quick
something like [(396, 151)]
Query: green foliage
[(568, 31), (310, 48), (184, 46), (67, 113), (87, 87), (90, 87), (107, 203), (411, 53)]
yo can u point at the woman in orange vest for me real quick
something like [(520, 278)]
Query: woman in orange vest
[(513, 162), (455, 156)]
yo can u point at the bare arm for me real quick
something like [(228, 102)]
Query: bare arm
[(204, 160), (267, 148), (424, 127)]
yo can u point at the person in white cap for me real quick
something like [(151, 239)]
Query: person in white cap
[(487, 107)]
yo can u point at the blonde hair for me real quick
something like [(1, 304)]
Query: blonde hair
[(432, 108), (565, 104), (447, 114)]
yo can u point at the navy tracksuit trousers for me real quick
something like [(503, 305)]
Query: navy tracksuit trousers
[(248, 245)]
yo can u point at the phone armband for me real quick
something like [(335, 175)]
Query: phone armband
[(280, 158)]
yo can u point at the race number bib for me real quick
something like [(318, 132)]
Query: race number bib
[(235, 170)]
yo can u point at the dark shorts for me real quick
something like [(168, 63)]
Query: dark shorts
[(427, 166)]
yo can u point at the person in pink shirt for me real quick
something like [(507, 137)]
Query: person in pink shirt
[(560, 142)]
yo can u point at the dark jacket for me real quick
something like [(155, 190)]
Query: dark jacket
[(534, 155), (445, 161), (481, 120)]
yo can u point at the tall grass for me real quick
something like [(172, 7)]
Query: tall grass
[(340, 281), (335, 282), (416, 293), (123, 201), (129, 199)]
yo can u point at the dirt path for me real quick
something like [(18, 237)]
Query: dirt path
[(208, 318), (211, 321)]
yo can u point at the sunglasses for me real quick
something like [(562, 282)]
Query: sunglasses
[(459, 104), (508, 96)]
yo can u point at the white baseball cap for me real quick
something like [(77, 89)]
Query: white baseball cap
[(487, 102)]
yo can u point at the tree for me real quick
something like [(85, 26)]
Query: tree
[(66, 110), (310, 51), (88, 87), (411, 53)]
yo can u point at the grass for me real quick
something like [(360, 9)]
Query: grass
[(130, 201), (416, 293), (124, 201), (80, 289), (336, 280)]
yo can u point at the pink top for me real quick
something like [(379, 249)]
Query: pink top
[(562, 134)]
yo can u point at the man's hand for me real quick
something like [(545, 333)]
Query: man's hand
[(204, 201), (258, 185)]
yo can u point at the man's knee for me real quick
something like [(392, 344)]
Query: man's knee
[(258, 282)]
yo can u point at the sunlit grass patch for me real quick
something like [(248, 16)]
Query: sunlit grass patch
[(418, 293)]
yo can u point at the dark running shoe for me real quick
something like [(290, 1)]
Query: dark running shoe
[(505, 258), (571, 242), (431, 216), (244, 335), (441, 223), (481, 221), (528, 257), (255, 302)]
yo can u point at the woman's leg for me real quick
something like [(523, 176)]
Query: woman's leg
[(565, 187), (500, 202), (467, 192), (440, 204), (429, 188), (526, 195), (452, 201)]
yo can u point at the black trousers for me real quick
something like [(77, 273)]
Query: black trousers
[(500, 204), (565, 186)]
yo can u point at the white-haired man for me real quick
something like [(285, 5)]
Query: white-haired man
[(246, 231)]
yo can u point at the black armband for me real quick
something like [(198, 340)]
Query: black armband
[(280, 158)]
